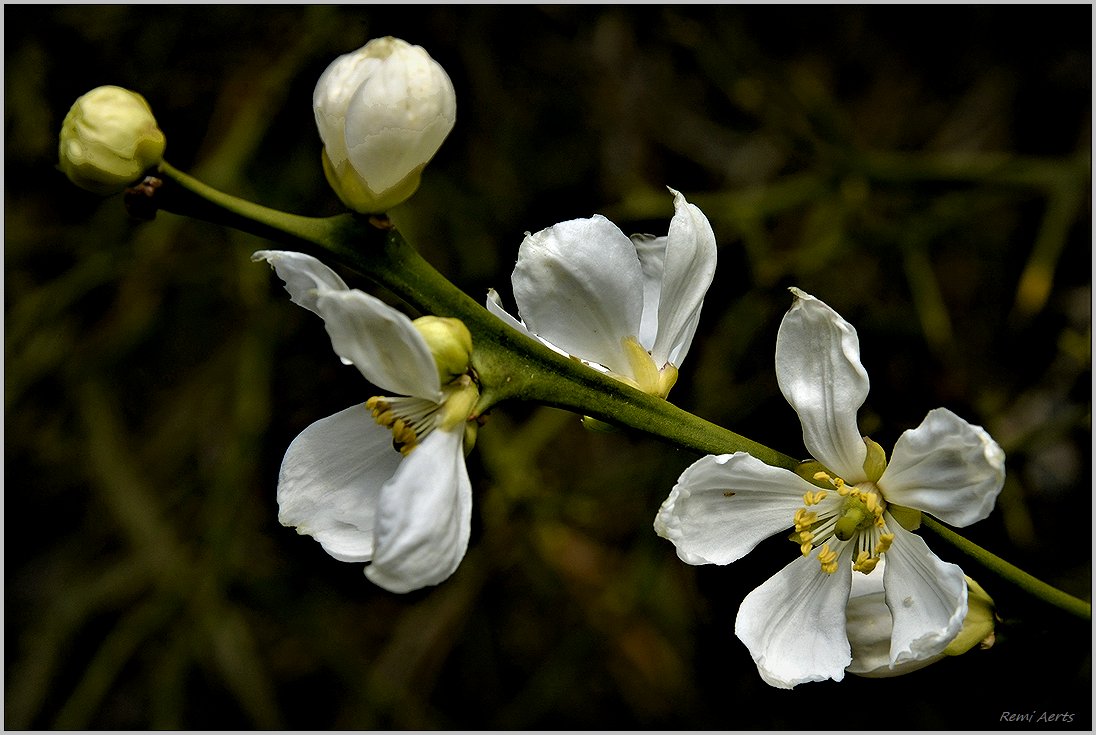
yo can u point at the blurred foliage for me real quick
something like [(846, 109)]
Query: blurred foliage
[(923, 169)]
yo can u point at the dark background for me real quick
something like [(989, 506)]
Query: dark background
[(925, 170)]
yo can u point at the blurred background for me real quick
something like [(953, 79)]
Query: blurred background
[(925, 170)]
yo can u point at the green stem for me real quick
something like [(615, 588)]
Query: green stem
[(1033, 586), (510, 365)]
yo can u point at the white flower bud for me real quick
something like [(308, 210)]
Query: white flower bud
[(108, 139), (382, 112)]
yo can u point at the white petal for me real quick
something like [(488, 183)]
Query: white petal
[(381, 342), (869, 625), (927, 597), (723, 506), (330, 479), (305, 277), (331, 98), (819, 372), (794, 623), (399, 117), (579, 285), (947, 467), (494, 305), (425, 516), (651, 252), (689, 267)]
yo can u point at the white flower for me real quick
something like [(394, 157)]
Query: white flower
[(109, 138), (382, 113), (795, 624), (382, 482), (627, 305)]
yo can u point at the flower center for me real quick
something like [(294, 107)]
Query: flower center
[(409, 419), (854, 514), (412, 419)]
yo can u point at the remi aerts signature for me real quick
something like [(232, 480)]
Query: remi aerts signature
[(1035, 716)]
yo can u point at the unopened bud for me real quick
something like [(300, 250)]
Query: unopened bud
[(978, 625), (109, 139), (382, 112), (450, 343)]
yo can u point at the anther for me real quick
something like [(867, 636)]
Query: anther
[(827, 559)]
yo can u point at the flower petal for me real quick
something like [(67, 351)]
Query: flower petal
[(947, 467), (381, 342), (689, 267), (494, 305), (869, 625), (425, 516), (794, 623), (723, 506), (399, 116), (579, 285), (927, 598), (819, 372), (330, 479), (651, 252), (304, 276), (331, 98)]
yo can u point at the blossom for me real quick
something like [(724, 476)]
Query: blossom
[(382, 482), (626, 305), (109, 138), (846, 521), (382, 112)]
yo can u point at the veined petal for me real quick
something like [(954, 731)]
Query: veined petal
[(947, 467), (330, 480), (579, 285), (819, 372), (927, 597), (869, 626), (305, 277), (794, 623), (689, 266), (724, 505), (424, 517), (381, 342)]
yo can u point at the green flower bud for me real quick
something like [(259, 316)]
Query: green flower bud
[(382, 112), (450, 343), (109, 139), (978, 625)]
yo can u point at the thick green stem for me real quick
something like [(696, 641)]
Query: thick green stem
[(510, 365), (1033, 586)]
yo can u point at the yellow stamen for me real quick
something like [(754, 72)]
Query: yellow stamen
[(827, 559)]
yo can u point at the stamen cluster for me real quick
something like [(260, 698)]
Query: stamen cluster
[(856, 515)]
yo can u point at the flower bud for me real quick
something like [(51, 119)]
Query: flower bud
[(109, 139), (450, 343), (978, 625), (382, 112)]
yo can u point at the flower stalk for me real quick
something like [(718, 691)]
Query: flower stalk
[(510, 365), (1030, 584)]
